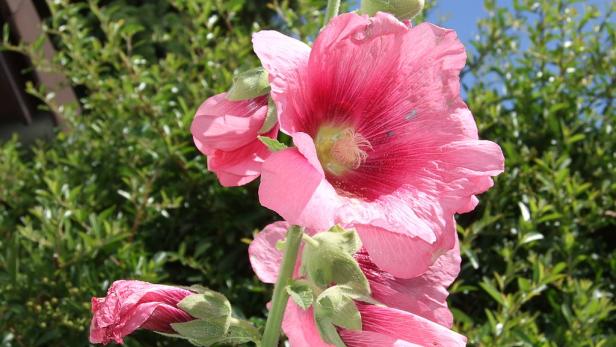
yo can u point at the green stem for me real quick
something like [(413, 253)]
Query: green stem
[(280, 297), (333, 6)]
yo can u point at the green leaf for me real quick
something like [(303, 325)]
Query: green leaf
[(494, 293), (524, 210), (530, 237), (301, 293), (272, 144), (5, 33), (249, 85), (523, 284), (271, 119)]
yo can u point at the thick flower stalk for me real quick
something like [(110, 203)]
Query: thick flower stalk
[(383, 140), (132, 305), (411, 311)]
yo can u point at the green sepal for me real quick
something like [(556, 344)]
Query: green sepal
[(271, 119), (206, 304), (242, 332), (336, 305), (328, 332), (249, 85), (201, 329), (402, 9), (272, 144), (301, 293), (328, 259), (239, 332), (347, 240)]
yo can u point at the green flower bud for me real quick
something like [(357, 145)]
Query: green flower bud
[(249, 85), (403, 9)]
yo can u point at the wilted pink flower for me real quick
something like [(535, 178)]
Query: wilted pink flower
[(416, 312), (382, 137), (226, 132), (132, 305)]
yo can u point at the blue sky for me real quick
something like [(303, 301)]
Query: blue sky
[(460, 15)]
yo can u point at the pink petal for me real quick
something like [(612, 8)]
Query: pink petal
[(285, 60), (265, 258), (408, 327), (372, 339), (300, 328), (240, 166), (401, 255), (297, 190), (231, 180), (228, 125), (403, 232), (425, 295), (161, 317), (139, 315)]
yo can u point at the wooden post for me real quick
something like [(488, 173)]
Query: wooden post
[(27, 25)]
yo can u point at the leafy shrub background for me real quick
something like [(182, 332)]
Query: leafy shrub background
[(122, 193)]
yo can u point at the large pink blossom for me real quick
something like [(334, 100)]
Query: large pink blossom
[(383, 140), (132, 305), (416, 310), (226, 132)]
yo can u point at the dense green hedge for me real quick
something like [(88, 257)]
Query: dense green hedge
[(122, 193)]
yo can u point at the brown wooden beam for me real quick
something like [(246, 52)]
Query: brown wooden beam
[(26, 23)]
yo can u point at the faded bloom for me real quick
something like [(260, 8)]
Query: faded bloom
[(416, 310), (226, 132), (132, 305), (383, 140)]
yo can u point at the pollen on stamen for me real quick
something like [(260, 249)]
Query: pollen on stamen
[(351, 149)]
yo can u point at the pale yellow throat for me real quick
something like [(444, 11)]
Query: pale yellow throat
[(341, 149)]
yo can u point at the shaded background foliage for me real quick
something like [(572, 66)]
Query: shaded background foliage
[(122, 192)]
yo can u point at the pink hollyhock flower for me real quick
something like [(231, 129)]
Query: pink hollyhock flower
[(382, 137), (226, 132), (416, 312), (132, 305)]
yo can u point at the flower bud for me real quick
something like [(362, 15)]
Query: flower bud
[(403, 9), (198, 314), (132, 305)]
